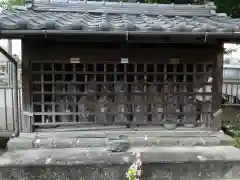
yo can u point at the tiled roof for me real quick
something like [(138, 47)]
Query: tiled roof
[(99, 16), (113, 22)]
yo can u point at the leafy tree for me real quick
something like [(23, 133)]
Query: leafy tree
[(8, 4), (231, 7)]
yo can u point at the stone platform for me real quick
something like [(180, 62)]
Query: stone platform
[(105, 137), (173, 163), (106, 154)]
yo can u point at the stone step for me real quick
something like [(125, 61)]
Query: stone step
[(121, 139), (161, 163)]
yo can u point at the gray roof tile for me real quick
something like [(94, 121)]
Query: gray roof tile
[(95, 16)]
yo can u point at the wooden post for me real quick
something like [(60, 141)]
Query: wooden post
[(27, 118), (217, 87)]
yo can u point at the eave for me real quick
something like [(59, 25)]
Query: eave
[(133, 36)]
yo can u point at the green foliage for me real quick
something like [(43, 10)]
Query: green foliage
[(236, 130), (231, 7), (237, 143), (7, 4), (16, 2)]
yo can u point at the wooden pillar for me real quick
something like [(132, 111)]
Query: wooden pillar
[(217, 86), (27, 117)]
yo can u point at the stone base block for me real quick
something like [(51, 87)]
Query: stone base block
[(100, 138), (176, 163), (156, 171)]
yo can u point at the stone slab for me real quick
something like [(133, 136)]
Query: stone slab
[(20, 143), (177, 163), (113, 131), (76, 156), (141, 138), (186, 171)]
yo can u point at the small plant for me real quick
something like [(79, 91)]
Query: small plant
[(235, 128), (237, 143), (134, 172)]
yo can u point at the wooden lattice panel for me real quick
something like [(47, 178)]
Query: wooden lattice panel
[(115, 93)]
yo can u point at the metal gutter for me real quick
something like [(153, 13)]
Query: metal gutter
[(15, 88), (22, 33), (83, 32)]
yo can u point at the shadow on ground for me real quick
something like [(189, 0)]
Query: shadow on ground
[(3, 145)]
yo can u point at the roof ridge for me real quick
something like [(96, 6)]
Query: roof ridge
[(123, 7), (207, 5), (187, 10)]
